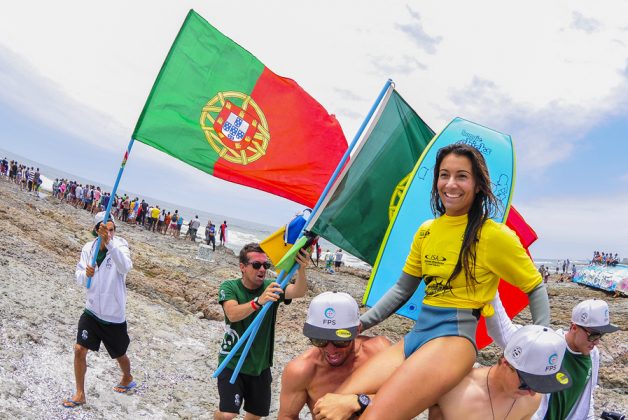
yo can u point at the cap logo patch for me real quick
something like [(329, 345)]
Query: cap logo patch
[(584, 317), (516, 352), (562, 378), (552, 359), (330, 313), (343, 333)]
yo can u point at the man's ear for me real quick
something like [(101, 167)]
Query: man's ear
[(503, 361)]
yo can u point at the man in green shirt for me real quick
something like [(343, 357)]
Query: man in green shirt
[(590, 320), (241, 299)]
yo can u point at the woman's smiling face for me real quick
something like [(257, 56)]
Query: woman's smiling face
[(456, 184)]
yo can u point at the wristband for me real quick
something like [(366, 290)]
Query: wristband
[(253, 305)]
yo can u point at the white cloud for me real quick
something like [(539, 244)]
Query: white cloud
[(417, 33), (574, 227), (583, 23), (26, 90), (545, 72)]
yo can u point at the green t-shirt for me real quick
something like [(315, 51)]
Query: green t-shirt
[(102, 253), (260, 355), (561, 403)]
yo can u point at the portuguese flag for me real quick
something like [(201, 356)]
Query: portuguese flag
[(218, 108)]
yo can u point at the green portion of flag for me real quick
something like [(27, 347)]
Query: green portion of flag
[(201, 62), (357, 216)]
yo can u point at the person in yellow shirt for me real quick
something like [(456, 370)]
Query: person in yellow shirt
[(460, 255), (154, 215)]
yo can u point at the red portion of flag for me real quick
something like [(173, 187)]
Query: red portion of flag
[(305, 146), (514, 300), (526, 234)]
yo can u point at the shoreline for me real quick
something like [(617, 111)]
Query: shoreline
[(175, 322)]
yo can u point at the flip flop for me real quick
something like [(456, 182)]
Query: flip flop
[(123, 389), (70, 403)]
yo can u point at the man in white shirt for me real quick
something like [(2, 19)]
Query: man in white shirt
[(104, 317)]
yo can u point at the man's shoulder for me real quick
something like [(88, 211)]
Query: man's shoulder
[(374, 344), (303, 367), (118, 241), (89, 245), (232, 284)]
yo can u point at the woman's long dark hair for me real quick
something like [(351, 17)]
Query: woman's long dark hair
[(484, 206)]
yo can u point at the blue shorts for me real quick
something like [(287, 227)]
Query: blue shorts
[(435, 322)]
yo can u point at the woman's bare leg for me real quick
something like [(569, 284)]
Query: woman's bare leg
[(368, 378), (431, 371)]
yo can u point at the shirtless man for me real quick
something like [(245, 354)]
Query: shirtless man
[(332, 327), (531, 363)]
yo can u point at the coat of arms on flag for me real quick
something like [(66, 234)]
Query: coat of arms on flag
[(238, 134)]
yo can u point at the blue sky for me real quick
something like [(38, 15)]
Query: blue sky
[(74, 78)]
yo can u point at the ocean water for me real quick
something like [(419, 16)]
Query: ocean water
[(553, 263), (239, 232)]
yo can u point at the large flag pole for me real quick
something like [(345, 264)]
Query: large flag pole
[(251, 331), (111, 200)]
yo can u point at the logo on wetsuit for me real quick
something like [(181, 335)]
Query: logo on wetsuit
[(434, 286), (434, 260)]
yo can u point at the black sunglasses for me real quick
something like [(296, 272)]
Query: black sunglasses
[(523, 386), (592, 335), (323, 343), (257, 265)]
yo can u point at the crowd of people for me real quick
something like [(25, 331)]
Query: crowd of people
[(333, 261), (605, 258), (567, 274), (460, 255), (94, 199), (27, 178)]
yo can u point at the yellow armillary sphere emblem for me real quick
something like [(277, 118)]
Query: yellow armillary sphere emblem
[(395, 198), (235, 127)]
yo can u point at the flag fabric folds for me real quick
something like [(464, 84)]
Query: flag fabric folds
[(356, 216), (216, 107)]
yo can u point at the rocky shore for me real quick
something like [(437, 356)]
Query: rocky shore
[(175, 322)]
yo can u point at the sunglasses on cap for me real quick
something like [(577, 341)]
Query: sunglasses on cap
[(323, 343), (592, 335), (257, 265), (523, 386)]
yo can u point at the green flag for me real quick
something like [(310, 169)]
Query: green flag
[(356, 216)]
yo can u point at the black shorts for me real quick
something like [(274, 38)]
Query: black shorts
[(254, 390), (114, 336), (337, 264)]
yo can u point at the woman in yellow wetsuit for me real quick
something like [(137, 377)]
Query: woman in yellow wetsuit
[(460, 255)]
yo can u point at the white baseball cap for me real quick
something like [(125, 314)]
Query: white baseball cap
[(99, 217), (537, 353), (332, 316), (593, 314)]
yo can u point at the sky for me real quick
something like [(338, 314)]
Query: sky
[(74, 77)]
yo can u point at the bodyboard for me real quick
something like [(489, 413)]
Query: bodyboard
[(414, 206)]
